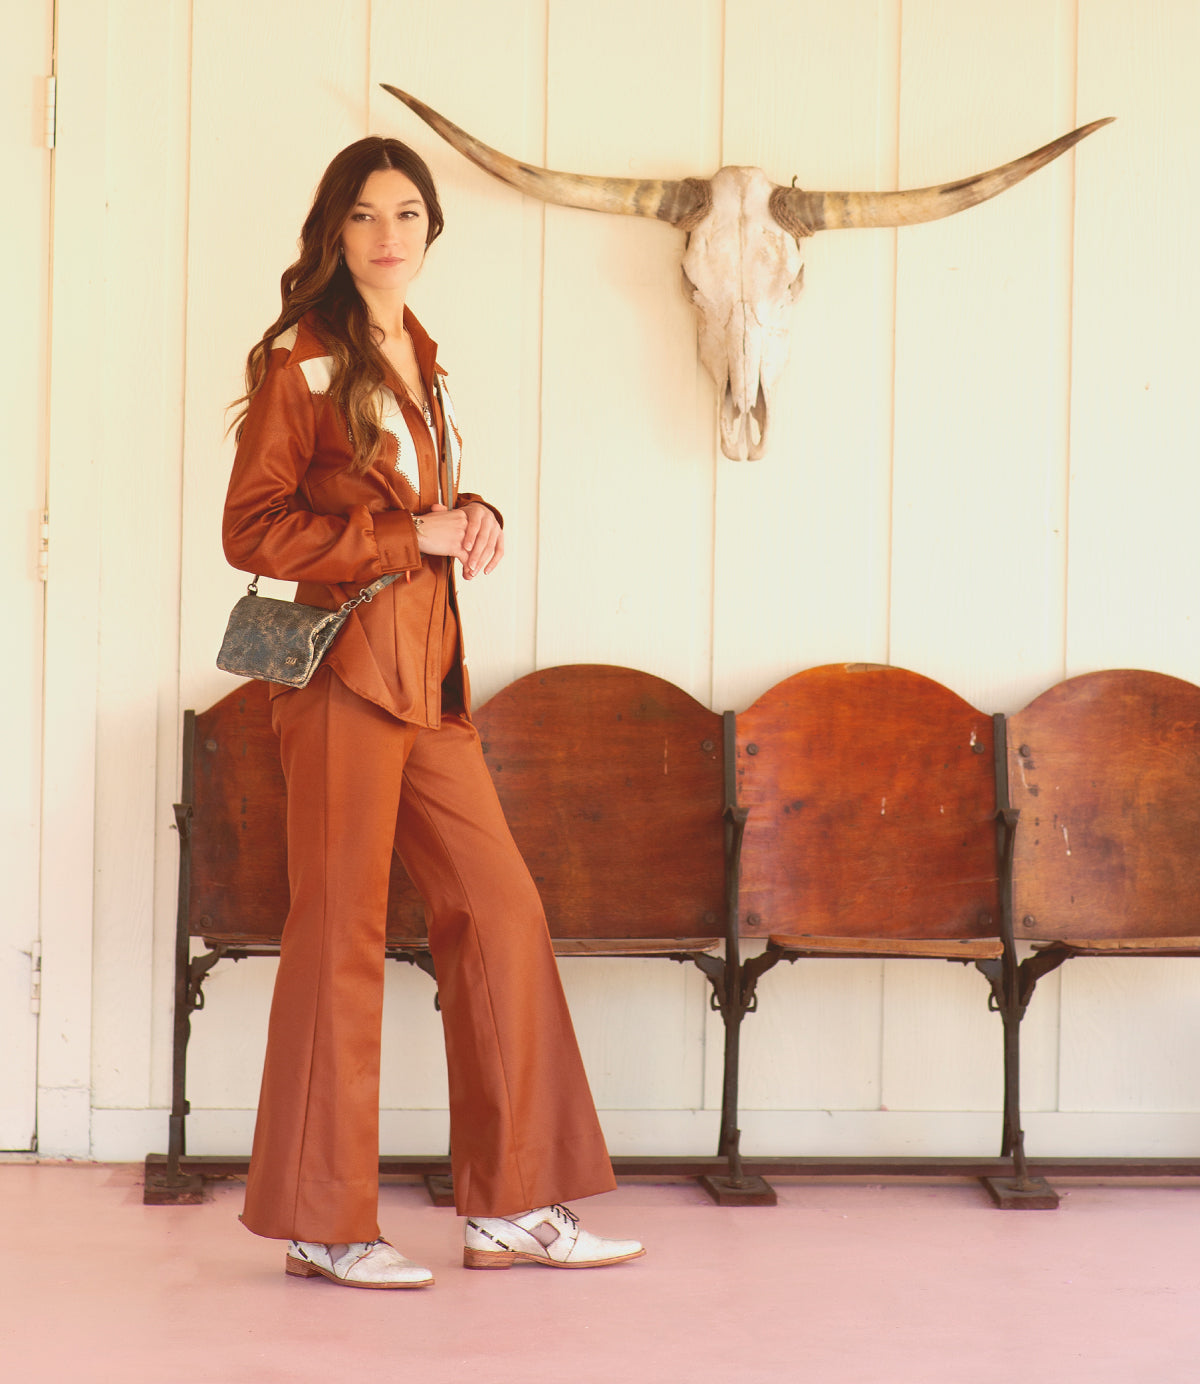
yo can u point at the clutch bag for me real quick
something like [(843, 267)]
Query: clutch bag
[(282, 641)]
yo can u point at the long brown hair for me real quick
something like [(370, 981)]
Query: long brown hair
[(319, 282)]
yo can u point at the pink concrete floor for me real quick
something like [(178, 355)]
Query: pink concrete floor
[(839, 1284)]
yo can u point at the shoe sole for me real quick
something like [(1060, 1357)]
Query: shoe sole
[(506, 1258), (297, 1268)]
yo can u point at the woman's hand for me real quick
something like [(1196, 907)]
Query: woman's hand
[(471, 534), (484, 540)]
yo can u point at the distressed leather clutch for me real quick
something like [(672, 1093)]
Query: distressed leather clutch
[(282, 641)]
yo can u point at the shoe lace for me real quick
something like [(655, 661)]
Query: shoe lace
[(565, 1214), (368, 1247)]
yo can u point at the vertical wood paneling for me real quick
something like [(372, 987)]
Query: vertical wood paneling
[(237, 998), (980, 443), (982, 335), (813, 1043), (145, 238), (625, 569), (942, 546), (77, 452), (1134, 568), (1130, 1034), (25, 172), (1135, 433), (802, 536), (237, 1006), (479, 292), (413, 1059), (623, 1010), (625, 502), (942, 1049), (1040, 1040), (272, 102)]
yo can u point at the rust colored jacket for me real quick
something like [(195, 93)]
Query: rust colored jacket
[(294, 511)]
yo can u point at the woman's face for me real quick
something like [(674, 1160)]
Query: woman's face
[(384, 237)]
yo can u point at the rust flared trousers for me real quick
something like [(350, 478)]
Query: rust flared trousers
[(523, 1128)]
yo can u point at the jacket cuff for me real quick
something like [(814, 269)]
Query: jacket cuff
[(396, 540)]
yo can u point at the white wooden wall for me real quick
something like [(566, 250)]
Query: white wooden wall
[(984, 468), (25, 174)]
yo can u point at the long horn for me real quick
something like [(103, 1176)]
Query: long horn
[(802, 212), (683, 203)]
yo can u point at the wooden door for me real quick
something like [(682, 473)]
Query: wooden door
[(25, 158)]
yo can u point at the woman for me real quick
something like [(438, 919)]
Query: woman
[(347, 470)]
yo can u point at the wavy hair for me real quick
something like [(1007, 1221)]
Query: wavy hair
[(319, 282)]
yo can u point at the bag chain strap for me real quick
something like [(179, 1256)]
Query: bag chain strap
[(365, 596)]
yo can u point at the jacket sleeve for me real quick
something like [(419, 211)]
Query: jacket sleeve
[(267, 529)]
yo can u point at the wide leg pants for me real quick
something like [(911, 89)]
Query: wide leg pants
[(523, 1128)]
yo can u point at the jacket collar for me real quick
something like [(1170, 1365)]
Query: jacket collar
[(309, 346)]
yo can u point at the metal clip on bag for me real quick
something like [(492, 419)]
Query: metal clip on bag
[(281, 641)]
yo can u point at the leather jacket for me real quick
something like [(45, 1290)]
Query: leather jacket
[(295, 511)]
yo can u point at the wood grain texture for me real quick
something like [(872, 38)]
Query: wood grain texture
[(871, 808), (946, 949), (1105, 770), (611, 781), (238, 831), (613, 785)]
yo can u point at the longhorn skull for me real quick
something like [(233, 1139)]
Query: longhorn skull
[(743, 265)]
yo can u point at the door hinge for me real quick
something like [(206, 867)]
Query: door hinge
[(35, 978), (50, 111), (43, 558)]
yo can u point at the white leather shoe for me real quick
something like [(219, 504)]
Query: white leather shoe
[(551, 1235), (373, 1264)]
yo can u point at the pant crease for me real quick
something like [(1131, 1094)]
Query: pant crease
[(321, 981), (419, 801)]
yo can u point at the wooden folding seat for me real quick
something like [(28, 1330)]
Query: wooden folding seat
[(872, 827), (233, 885), (1104, 772), (232, 821), (614, 785), (618, 789)]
